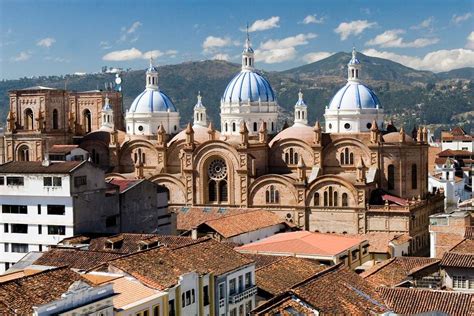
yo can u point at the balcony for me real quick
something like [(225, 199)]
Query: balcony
[(249, 292)]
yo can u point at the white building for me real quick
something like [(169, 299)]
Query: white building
[(249, 99), (457, 139), (42, 203)]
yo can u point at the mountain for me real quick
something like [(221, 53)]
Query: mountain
[(409, 96)]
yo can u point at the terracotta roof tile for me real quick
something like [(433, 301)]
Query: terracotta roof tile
[(37, 167), (236, 224), (261, 260), (191, 217), (279, 276), (161, 267), (396, 270), (301, 242), (18, 296), (469, 232), (459, 260), (466, 246), (61, 149), (410, 301), (74, 258)]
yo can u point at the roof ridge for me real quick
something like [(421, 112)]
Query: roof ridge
[(236, 214), (38, 274)]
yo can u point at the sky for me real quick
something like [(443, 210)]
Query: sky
[(54, 37)]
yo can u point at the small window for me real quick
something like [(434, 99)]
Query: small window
[(56, 209), (20, 248), (2, 180), (56, 230), (80, 181), (52, 181), (140, 128), (111, 221), (39, 209), (232, 287), (347, 126), (19, 228), (15, 181), (316, 199), (248, 280), (254, 126), (5, 228), (14, 209), (233, 127), (391, 177), (156, 310), (369, 125), (40, 229), (205, 291)]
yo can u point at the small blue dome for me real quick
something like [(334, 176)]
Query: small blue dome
[(354, 95), (248, 86), (152, 100)]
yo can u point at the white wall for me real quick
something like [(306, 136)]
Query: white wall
[(250, 237), (457, 145)]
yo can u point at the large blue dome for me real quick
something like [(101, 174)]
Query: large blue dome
[(152, 100), (248, 86), (354, 95)]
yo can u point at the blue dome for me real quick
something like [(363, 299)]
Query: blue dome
[(152, 100), (248, 86), (354, 95)]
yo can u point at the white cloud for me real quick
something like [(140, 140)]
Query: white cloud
[(22, 56), (211, 43), (133, 53), (46, 42), (425, 24), (297, 40), (437, 61), (392, 38), (261, 25), (346, 29), (105, 45), (315, 56), (225, 57), (312, 19), (470, 41), (277, 51), (457, 19), (129, 32)]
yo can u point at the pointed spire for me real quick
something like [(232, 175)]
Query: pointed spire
[(244, 134), (374, 126), (263, 133), (301, 167), (402, 138), (361, 171), (353, 67), (200, 116), (211, 131), (374, 131), (161, 135), (247, 54), (189, 135), (317, 133), (419, 135)]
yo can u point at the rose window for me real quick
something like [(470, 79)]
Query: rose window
[(217, 169)]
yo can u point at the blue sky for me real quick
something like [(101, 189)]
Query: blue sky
[(58, 37)]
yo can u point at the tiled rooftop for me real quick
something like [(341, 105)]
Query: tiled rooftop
[(236, 224), (410, 301), (37, 167), (281, 275), (61, 149), (396, 270), (74, 258), (18, 296), (160, 267), (302, 243)]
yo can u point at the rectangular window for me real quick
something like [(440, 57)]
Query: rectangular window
[(14, 209), (80, 181), (221, 291), (241, 283), (193, 296), (188, 298), (2, 180), (156, 310), (205, 291), (6, 247), (241, 310), (248, 307), (56, 209), (354, 254), (15, 181), (56, 230), (40, 229), (233, 312), (7, 265), (52, 181), (232, 287), (5, 228), (20, 248), (40, 247), (146, 312), (20, 228), (459, 282), (248, 279), (39, 209), (111, 221), (171, 310)]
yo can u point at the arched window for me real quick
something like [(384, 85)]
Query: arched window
[(143, 158), (414, 177), (233, 126), (218, 190), (24, 153), (351, 158), (272, 195), (291, 156), (391, 177), (226, 127), (28, 119), (295, 159), (212, 191), (357, 73), (325, 198), (302, 115), (273, 126), (346, 157), (316, 199), (335, 199), (344, 199), (87, 121), (287, 158), (352, 73), (55, 119), (200, 115), (135, 157), (330, 196), (254, 126)]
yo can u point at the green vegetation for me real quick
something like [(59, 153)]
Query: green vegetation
[(410, 97)]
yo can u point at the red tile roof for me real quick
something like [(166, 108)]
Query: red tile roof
[(410, 301), (37, 167), (469, 232), (458, 260), (241, 223), (18, 296), (394, 271), (302, 243), (452, 153), (74, 258), (62, 149), (281, 275)]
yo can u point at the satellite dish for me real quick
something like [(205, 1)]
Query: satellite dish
[(118, 80)]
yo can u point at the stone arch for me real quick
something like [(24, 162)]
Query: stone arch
[(340, 185), (176, 189), (287, 192), (204, 155), (98, 152), (147, 154), (281, 148), (356, 149), (87, 120), (23, 152)]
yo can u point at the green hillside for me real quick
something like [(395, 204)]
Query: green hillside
[(407, 95)]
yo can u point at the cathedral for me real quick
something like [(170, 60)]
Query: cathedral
[(354, 175)]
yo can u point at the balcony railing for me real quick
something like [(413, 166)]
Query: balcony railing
[(236, 298)]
